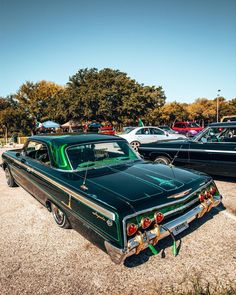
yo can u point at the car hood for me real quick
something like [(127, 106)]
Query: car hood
[(138, 186)]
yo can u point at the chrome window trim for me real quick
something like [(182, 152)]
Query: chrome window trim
[(192, 150)]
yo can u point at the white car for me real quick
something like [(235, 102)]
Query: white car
[(146, 134)]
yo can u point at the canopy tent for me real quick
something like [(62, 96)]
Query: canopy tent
[(50, 124), (71, 124)]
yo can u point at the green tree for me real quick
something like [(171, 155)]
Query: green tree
[(37, 100)]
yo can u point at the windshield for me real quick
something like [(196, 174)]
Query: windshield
[(100, 154), (217, 134), (127, 130)]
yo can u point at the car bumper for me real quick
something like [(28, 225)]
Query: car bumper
[(151, 237)]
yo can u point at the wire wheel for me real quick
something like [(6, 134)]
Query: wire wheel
[(135, 145), (60, 217), (162, 160), (9, 178)]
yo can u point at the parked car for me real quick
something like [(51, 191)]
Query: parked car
[(212, 151), (93, 127), (99, 186), (231, 118), (189, 129), (140, 135), (107, 129)]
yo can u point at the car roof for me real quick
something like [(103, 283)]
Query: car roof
[(223, 124), (74, 139)]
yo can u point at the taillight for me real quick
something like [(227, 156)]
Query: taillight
[(158, 217), (201, 197), (131, 229), (145, 222), (213, 190)]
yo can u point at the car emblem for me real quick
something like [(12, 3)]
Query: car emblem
[(179, 195)]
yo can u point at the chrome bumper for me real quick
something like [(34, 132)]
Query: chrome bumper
[(152, 236)]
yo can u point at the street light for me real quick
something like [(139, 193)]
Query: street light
[(217, 105)]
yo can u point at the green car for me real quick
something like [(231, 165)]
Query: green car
[(98, 185)]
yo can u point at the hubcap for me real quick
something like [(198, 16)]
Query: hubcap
[(135, 145), (7, 173), (58, 214)]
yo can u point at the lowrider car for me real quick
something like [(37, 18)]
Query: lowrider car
[(98, 185), (212, 151)]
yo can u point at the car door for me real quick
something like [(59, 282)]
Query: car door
[(143, 135), (33, 154), (157, 134), (207, 153)]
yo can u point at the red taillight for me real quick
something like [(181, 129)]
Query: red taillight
[(158, 217), (207, 194), (131, 229), (201, 197), (213, 190), (146, 222)]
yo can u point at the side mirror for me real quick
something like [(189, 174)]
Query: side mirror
[(166, 133), (18, 154)]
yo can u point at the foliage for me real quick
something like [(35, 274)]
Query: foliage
[(103, 96), (110, 95)]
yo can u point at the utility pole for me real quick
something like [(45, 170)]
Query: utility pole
[(217, 105)]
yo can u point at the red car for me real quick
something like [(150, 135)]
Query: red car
[(187, 128), (107, 130)]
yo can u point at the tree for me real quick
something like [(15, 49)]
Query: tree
[(37, 100), (110, 95), (173, 111)]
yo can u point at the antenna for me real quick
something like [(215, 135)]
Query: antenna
[(83, 186), (176, 155)]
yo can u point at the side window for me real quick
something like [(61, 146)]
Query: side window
[(143, 131), (157, 131), (178, 125), (38, 151)]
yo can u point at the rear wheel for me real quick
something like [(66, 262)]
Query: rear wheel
[(162, 160), (60, 217), (135, 145), (9, 178)]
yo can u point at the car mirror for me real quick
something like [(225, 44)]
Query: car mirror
[(18, 154), (166, 133)]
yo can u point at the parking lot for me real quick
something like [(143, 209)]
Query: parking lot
[(37, 257)]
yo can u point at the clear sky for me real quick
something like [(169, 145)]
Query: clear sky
[(186, 46)]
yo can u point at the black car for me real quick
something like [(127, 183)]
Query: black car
[(212, 151), (99, 186)]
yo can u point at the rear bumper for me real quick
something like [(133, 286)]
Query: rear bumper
[(151, 237)]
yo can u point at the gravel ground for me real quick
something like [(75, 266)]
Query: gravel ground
[(37, 257)]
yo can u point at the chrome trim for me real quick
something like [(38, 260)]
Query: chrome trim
[(190, 150), (181, 208), (119, 255), (78, 197), (161, 206)]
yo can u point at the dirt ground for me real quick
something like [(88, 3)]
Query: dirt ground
[(37, 257)]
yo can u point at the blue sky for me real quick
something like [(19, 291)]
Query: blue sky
[(186, 46)]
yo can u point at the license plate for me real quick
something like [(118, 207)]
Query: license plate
[(179, 228)]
